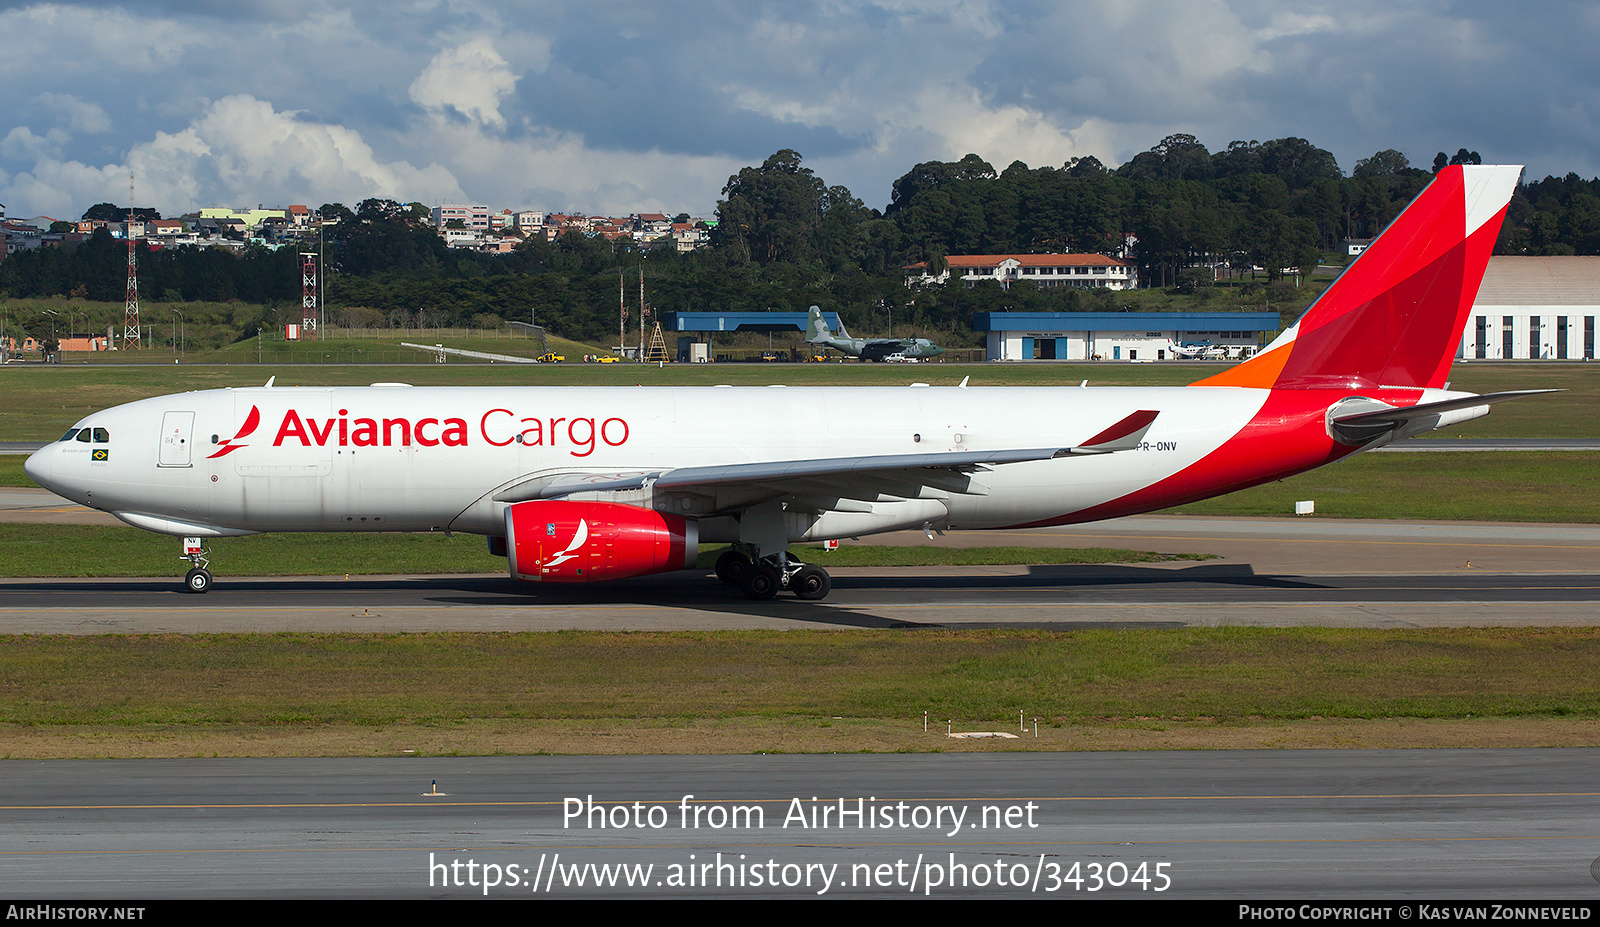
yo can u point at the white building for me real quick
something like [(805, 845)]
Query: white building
[(474, 218), (1132, 336), (1534, 308), (1044, 270), (461, 238)]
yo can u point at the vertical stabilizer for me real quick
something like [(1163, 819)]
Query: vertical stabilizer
[(1394, 317), (817, 327)]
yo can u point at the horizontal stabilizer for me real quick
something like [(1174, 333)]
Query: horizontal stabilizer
[(1361, 427)]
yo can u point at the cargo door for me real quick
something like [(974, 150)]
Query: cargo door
[(176, 439)]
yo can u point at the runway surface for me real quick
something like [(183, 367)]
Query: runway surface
[(1509, 825), (1056, 598), (1268, 571)]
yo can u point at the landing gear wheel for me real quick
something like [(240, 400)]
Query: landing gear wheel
[(198, 581), (732, 566), (811, 583), (760, 582)]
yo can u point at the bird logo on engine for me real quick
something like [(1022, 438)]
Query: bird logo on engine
[(578, 540)]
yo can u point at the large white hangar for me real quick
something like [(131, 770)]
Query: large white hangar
[(1534, 308), (1134, 336)]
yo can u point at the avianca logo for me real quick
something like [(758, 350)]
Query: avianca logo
[(251, 422), (578, 539)]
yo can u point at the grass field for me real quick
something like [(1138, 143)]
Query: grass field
[(1544, 486), (646, 692)]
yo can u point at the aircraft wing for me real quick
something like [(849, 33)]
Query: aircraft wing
[(865, 477)]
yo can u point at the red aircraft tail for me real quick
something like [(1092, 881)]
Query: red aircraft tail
[(1394, 317)]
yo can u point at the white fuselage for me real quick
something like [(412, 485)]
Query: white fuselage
[(402, 458)]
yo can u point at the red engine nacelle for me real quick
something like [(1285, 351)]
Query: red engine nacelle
[(581, 542)]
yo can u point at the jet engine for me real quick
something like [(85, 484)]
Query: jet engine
[(555, 541)]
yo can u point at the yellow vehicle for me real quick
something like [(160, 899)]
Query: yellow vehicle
[(607, 359), (551, 358)]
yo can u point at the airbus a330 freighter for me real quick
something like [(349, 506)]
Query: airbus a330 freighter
[(585, 484)]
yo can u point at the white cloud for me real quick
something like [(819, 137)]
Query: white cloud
[(471, 79), (561, 171), (21, 144), (64, 40), (79, 115), (251, 147), (1285, 23), (240, 151)]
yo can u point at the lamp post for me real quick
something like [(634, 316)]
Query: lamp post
[(184, 328), (53, 316)]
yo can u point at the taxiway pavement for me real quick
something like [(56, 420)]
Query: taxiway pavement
[(1267, 572), (1387, 826)]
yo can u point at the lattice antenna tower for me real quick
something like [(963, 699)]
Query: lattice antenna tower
[(130, 312), (308, 291)]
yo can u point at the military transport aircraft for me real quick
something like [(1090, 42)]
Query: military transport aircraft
[(578, 484), (868, 349)]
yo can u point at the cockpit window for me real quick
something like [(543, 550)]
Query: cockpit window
[(83, 436), (101, 436), (69, 435)]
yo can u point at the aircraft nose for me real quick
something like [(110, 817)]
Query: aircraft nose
[(39, 465)]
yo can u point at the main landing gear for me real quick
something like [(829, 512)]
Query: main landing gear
[(764, 578), (198, 579)]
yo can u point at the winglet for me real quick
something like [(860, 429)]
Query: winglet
[(1125, 435)]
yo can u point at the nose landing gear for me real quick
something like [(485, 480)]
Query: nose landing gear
[(198, 579)]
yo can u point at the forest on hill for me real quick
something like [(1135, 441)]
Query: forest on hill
[(785, 239)]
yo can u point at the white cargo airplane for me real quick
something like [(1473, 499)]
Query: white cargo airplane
[(587, 484)]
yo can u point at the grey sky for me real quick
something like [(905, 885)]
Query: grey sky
[(624, 106)]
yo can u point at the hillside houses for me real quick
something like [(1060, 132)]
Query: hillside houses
[(474, 227), (479, 229)]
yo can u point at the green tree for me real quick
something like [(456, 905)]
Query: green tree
[(772, 212), (1176, 157), (1386, 163), (932, 175)]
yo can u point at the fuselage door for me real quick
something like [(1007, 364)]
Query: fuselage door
[(176, 438)]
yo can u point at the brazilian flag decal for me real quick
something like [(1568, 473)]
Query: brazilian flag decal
[(100, 454)]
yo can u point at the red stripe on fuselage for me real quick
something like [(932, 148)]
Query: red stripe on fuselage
[(1288, 436)]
